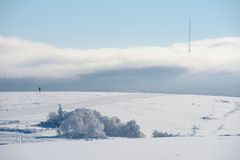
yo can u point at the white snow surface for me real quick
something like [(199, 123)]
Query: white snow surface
[(216, 121)]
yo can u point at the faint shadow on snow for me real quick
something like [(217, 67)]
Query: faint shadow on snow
[(227, 135), (48, 137), (7, 122), (25, 131)]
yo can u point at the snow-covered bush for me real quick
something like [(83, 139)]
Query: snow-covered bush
[(86, 123), (82, 123), (157, 134), (131, 130), (54, 119), (111, 126)]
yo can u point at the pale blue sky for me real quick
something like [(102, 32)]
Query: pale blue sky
[(119, 24), (122, 23)]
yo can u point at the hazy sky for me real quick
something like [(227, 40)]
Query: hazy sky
[(120, 45), (25, 59), (118, 23)]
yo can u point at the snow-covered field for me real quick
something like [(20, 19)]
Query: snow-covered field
[(209, 126)]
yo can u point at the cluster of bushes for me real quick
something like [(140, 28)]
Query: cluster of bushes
[(54, 119), (158, 134), (87, 123)]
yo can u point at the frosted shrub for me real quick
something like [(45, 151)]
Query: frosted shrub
[(131, 130), (82, 123), (54, 119), (86, 123), (114, 128), (111, 126), (157, 134)]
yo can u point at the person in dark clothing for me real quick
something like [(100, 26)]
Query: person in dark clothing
[(39, 89)]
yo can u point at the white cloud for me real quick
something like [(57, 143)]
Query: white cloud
[(20, 58)]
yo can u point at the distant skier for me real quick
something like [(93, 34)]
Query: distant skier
[(39, 89)]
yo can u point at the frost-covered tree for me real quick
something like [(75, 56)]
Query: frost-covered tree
[(54, 119), (82, 123), (60, 112)]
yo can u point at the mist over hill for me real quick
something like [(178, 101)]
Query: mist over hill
[(154, 79)]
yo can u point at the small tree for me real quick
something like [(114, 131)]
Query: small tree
[(54, 119), (82, 123)]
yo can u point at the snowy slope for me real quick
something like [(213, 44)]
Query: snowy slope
[(173, 113), (184, 148), (211, 116)]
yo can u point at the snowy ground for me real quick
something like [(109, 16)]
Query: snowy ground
[(209, 126), (189, 148)]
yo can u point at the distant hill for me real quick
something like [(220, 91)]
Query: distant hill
[(165, 80)]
